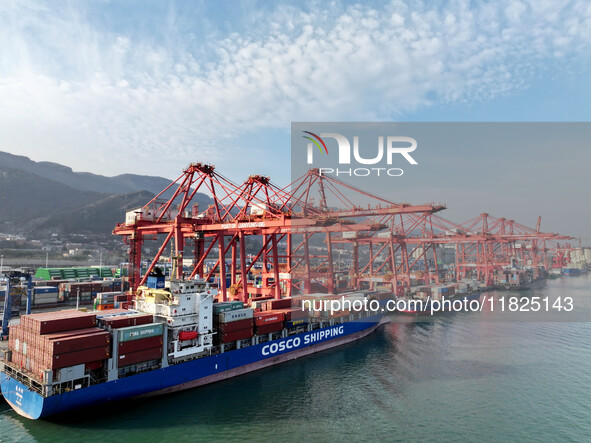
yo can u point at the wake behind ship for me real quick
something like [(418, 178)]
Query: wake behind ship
[(176, 338)]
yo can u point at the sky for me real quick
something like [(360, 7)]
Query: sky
[(147, 87)]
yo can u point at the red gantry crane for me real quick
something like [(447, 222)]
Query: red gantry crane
[(291, 234)]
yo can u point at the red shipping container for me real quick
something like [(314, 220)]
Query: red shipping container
[(11, 338), (76, 358), (39, 342), (279, 304), (236, 325), (14, 333), (262, 306), (140, 345), (270, 327), (77, 343), (292, 313), (75, 332), (284, 303), (109, 312), (123, 321), (134, 358), (262, 298), (262, 318), (48, 322), (93, 365), (236, 335)]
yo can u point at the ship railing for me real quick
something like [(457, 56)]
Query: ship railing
[(94, 380), (244, 343), (295, 331), (263, 338), (139, 368), (25, 380), (315, 325), (225, 347), (68, 386)]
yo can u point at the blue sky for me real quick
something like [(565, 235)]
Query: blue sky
[(149, 86)]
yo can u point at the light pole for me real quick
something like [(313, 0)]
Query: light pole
[(1, 263), (46, 260)]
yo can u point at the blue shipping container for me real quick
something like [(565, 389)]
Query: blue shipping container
[(46, 290), (156, 282)]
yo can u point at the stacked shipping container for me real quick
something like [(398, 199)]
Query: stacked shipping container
[(84, 292), (124, 321), (55, 340), (232, 321), (138, 344), (45, 295), (52, 292), (106, 300), (267, 322)]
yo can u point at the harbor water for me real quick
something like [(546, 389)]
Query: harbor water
[(451, 377)]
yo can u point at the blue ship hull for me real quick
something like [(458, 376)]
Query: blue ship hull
[(572, 272), (186, 375)]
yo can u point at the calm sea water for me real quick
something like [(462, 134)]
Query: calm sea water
[(448, 379)]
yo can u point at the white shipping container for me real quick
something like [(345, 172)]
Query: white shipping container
[(238, 314), (258, 208), (258, 304), (46, 299)]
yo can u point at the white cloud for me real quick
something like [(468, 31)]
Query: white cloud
[(69, 86)]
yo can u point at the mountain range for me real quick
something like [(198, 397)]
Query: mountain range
[(39, 198)]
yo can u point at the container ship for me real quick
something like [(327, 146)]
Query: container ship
[(572, 272), (175, 337), (518, 278)]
